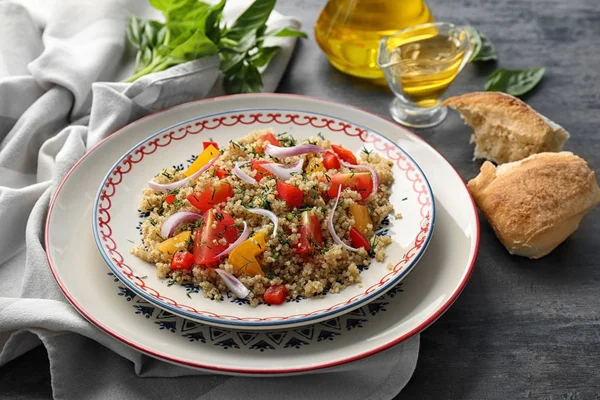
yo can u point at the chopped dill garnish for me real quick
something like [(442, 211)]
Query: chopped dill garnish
[(152, 221), (320, 135), (166, 174)]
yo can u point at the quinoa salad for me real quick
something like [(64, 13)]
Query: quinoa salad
[(267, 218)]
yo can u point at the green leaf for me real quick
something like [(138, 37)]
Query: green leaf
[(229, 62), (246, 42), (246, 80), (181, 11), (213, 21), (287, 32), (196, 46), (254, 18), (483, 48), (514, 82), (264, 56), (135, 29)]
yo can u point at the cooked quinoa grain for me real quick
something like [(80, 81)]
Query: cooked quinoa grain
[(308, 262)]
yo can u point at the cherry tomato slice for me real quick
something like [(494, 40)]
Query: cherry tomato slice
[(182, 260), (269, 137), (221, 173), (170, 199), (275, 294), (291, 194), (310, 234), (211, 196), (330, 161), (260, 171), (207, 241), (359, 181), (206, 144), (344, 154), (358, 239)]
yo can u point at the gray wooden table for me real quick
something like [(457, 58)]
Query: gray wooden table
[(521, 328)]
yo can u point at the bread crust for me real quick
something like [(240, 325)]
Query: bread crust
[(506, 129), (534, 204)]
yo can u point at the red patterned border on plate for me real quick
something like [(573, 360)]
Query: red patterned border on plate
[(382, 146)]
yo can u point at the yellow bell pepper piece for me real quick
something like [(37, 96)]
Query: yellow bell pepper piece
[(361, 217), (314, 165), (243, 257), (169, 246), (208, 154)]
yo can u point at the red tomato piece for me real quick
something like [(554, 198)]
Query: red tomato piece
[(170, 199), (344, 154), (358, 239), (205, 248), (206, 144), (330, 161), (260, 171), (211, 196), (275, 294), (269, 137), (360, 181), (310, 234), (182, 260), (291, 194), (221, 173)]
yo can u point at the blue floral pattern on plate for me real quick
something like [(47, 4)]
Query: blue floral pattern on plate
[(264, 341)]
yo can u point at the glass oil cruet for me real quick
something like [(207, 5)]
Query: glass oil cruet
[(349, 31)]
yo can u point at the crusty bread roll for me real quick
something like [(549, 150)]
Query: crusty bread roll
[(506, 129), (534, 204)]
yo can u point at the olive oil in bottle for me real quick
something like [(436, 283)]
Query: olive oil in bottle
[(349, 31)]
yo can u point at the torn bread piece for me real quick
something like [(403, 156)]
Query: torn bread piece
[(534, 204), (506, 129)]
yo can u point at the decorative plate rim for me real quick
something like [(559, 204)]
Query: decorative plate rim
[(180, 130), (262, 372)]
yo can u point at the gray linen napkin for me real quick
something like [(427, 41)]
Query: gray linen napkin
[(57, 61)]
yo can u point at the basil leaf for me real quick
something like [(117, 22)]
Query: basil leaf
[(287, 32), (231, 61), (253, 18), (487, 52), (213, 21), (246, 42), (135, 29), (483, 49), (514, 82), (264, 56), (182, 11), (196, 46), (246, 80)]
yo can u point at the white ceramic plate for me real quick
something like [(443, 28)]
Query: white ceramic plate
[(116, 222), (404, 311)]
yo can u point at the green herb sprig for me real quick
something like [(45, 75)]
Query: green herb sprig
[(194, 29)]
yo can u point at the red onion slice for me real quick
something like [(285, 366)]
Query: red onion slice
[(172, 222), (235, 244), (276, 151), (160, 187), (241, 174), (269, 214), (233, 284), (284, 172), (370, 169), (334, 235)]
